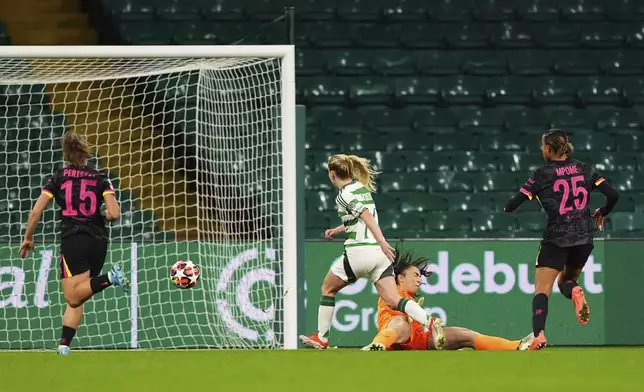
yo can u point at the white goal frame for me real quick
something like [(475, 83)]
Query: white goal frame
[(289, 200)]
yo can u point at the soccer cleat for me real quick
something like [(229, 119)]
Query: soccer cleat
[(526, 342), (582, 310), (539, 342), (375, 347), (62, 350), (438, 335), (117, 278), (314, 341)]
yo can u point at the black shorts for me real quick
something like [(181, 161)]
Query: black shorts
[(80, 253), (554, 257)]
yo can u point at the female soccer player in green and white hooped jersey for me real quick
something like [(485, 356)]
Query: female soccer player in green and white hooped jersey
[(366, 252)]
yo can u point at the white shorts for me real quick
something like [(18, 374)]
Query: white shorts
[(362, 261)]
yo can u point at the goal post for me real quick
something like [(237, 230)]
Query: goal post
[(200, 142)]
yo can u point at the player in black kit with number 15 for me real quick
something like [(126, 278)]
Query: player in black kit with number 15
[(79, 191), (563, 188)]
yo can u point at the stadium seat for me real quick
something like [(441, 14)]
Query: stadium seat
[(450, 181), (480, 63), (593, 141), (348, 62), (500, 224), (358, 11), (622, 63), (324, 91), (629, 142), (629, 223), (464, 202), (421, 36), (532, 222), (330, 35), (419, 202), (310, 62), (578, 63), (454, 224), (495, 182), (394, 182), (180, 10), (394, 63), (226, 11), (370, 91), (320, 201), (404, 226), (406, 11), (395, 122), (372, 35), (416, 91)]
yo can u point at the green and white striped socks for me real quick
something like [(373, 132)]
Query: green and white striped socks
[(325, 317)]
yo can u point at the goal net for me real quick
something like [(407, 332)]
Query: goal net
[(199, 143)]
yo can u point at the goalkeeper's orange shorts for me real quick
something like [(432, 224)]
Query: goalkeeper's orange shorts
[(418, 338)]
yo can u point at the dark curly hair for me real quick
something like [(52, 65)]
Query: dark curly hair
[(403, 260)]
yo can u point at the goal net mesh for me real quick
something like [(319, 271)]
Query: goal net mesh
[(193, 147)]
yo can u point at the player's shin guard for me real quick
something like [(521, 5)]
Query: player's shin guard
[(567, 287), (413, 310), (325, 316), (99, 283), (539, 313), (67, 336)]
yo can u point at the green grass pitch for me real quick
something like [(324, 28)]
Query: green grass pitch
[(558, 369)]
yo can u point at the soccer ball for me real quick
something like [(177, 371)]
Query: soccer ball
[(185, 274)]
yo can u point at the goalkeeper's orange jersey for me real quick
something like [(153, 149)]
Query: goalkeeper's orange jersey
[(418, 337), (385, 313)]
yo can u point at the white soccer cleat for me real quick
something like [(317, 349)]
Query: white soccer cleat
[(374, 347), (526, 342), (62, 350), (438, 335)]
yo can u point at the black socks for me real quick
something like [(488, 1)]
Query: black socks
[(539, 313), (67, 336), (99, 283)]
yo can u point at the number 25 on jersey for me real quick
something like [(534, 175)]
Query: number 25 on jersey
[(580, 194)]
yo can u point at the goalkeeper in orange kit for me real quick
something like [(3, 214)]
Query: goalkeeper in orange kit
[(397, 332)]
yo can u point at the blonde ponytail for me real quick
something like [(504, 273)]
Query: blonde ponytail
[(355, 167)]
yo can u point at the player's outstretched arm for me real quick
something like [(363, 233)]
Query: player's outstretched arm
[(34, 217), (113, 211), (515, 202), (373, 227)]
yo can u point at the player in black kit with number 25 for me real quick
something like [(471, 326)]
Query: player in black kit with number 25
[(79, 191), (563, 187)]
